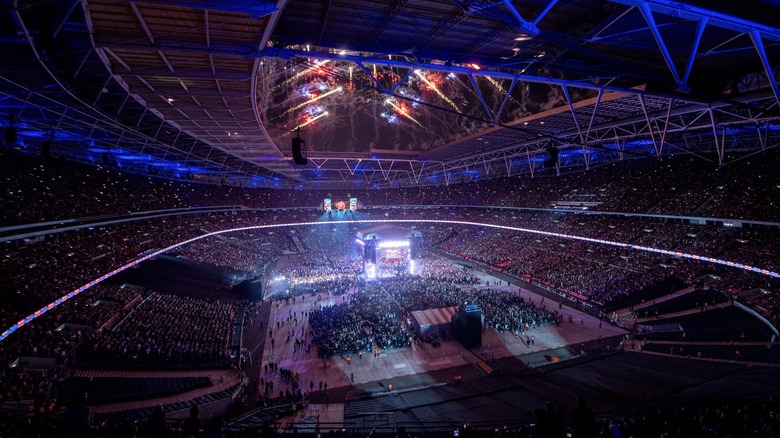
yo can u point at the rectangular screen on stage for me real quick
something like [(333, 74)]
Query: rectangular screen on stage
[(327, 204), (353, 203), (393, 255), (340, 205)]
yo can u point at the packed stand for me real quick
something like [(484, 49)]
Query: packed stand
[(54, 336), (38, 191), (230, 254), (166, 329)]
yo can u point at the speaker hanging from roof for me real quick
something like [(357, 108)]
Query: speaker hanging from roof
[(109, 159), (10, 135), (552, 157), (299, 150), (10, 131), (51, 152)]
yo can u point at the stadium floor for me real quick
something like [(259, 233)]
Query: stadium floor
[(423, 365)]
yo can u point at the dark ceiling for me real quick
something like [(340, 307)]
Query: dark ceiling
[(386, 93)]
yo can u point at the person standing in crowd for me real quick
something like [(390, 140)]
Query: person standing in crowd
[(77, 419), (193, 428), (583, 422)]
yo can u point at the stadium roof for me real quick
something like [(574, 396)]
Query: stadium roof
[(386, 93)]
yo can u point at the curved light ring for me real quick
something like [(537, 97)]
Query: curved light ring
[(96, 281)]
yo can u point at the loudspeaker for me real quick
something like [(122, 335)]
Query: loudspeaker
[(414, 248), (467, 326), (10, 135), (109, 160), (552, 157), (51, 153), (299, 151), (370, 252)]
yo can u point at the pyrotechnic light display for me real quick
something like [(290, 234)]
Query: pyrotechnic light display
[(342, 108)]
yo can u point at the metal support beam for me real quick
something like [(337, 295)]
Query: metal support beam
[(506, 99), (401, 81), (583, 142), (482, 99), (695, 49), (544, 12), (648, 15), (168, 44), (141, 20), (593, 115), (649, 125), (759, 44), (719, 146), (256, 9), (379, 85), (65, 18), (679, 9), (762, 138), (666, 127), (525, 25)]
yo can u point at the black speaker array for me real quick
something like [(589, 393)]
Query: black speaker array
[(10, 135), (370, 254), (51, 152), (552, 157), (467, 326), (414, 248), (299, 151)]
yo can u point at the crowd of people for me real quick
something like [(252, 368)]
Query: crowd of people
[(38, 191), (376, 314), (170, 328), (54, 336), (37, 272), (608, 274), (229, 253)]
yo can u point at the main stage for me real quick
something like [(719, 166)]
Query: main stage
[(388, 250)]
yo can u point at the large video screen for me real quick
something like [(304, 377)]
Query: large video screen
[(340, 204), (393, 255)]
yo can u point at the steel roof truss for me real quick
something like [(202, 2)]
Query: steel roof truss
[(719, 145), (141, 20), (755, 35), (525, 25), (481, 98), (689, 12), (666, 127), (378, 84), (649, 125), (577, 125), (401, 81), (506, 99), (699, 32), (648, 16)]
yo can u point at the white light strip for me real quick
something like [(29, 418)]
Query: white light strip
[(96, 281), (393, 244)]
